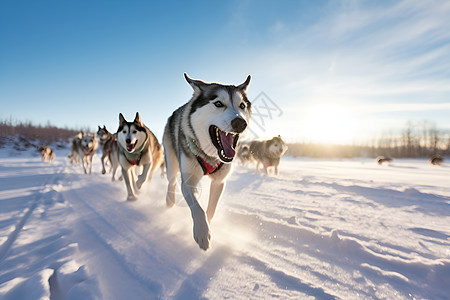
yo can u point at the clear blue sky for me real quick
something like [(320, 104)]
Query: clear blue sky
[(80, 63)]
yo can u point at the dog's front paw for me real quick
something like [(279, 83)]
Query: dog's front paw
[(202, 234), (140, 182), (131, 198)]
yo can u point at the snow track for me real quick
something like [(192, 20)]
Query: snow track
[(321, 230)]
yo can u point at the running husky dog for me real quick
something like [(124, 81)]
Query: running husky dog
[(84, 146), (200, 139), (268, 153), (47, 153), (137, 145), (108, 143)]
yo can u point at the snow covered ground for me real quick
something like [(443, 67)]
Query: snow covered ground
[(323, 229)]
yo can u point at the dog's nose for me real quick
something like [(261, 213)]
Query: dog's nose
[(128, 141), (238, 125)]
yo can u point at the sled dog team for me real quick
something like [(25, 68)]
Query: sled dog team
[(200, 138)]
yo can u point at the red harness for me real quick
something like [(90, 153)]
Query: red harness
[(133, 162), (207, 168)]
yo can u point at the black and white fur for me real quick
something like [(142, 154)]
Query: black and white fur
[(205, 128), (137, 146)]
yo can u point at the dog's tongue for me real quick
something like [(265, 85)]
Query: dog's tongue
[(129, 147), (227, 143)]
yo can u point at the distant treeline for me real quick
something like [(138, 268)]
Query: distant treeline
[(28, 131), (421, 139)]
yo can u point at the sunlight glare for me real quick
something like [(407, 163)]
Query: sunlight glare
[(328, 124)]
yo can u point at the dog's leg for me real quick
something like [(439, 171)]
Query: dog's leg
[(266, 172), (163, 170), (114, 166), (257, 167), (215, 191), (132, 172), (202, 234), (126, 176), (90, 163), (84, 165), (103, 162), (144, 176), (83, 162), (172, 169), (276, 170)]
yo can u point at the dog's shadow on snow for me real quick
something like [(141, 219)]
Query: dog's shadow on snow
[(194, 285)]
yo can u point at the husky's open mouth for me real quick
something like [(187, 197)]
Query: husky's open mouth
[(130, 147), (225, 142)]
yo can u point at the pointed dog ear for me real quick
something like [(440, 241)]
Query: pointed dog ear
[(243, 86), (121, 119), (137, 119), (197, 85), (99, 127)]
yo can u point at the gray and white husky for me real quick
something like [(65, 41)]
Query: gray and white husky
[(137, 146), (84, 146), (200, 139), (268, 153), (108, 145)]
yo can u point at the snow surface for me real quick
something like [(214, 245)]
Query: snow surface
[(322, 229)]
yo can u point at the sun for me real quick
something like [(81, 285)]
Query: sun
[(328, 124)]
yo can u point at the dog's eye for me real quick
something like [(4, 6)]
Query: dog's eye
[(218, 104), (242, 106), (124, 131), (134, 131)]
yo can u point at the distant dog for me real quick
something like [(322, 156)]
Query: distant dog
[(200, 139), (243, 154), (436, 160), (108, 143), (268, 153), (47, 153), (85, 145), (137, 146), (383, 159)]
